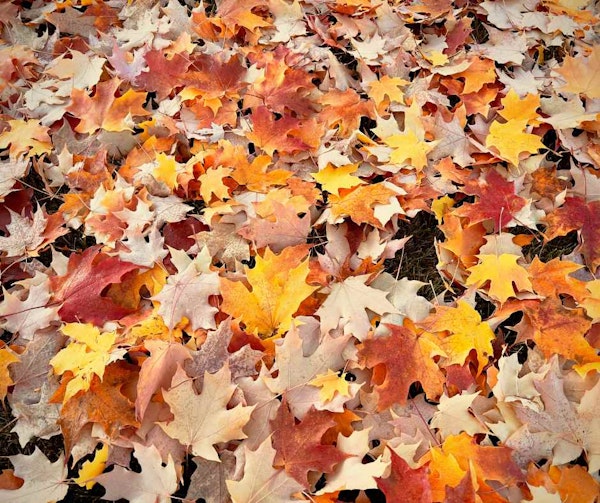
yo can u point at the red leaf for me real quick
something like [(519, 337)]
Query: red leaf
[(298, 445), (585, 217), (497, 200), (80, 290), (405, 483)]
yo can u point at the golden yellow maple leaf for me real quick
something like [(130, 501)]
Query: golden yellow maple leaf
[(510, 140), (505, 276), (465, 330), (87, 354), (386, 90), (92, 468), (408, 147), (519, 109), (333, 178), (6, 358), (277, 287), (26, 137), (167, 170), (331, 383)]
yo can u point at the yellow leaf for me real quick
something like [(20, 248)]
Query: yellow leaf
[(26, 137), (167, 170), (277, 288), (211, 183), (6, 358), (91, 469), (440, 205), (409, 148), (591, 303), (466, 332), (501, 271), (389, 87), (87, 354), (330, 383), (517, 109), (510, 140), (332, 179)]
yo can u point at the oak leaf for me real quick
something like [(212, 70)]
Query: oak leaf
[(277, 288), (200, 421)]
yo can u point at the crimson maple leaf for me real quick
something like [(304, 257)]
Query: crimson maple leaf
[(80, 290)]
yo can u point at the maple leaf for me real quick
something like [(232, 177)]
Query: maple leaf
[(80, 290), (7, 357), (296, 367), (86, 355), (557, 330), (43, 480), (409, 147), (407, 358), (299, 446), (187, 293), (497, 201), (262, 482), (26, 137), (157, 371), (154, 483), (506, 277), (357, 203), (577, 214), (278, 287), (405, 483), (287, 230), (460, 454), (345, 110), (352, 473), (347, 305), (92, 468), (581, 74), (200, 421), (330, 384), (104, 111), (465, 330), (104, 403), (510, 140)]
